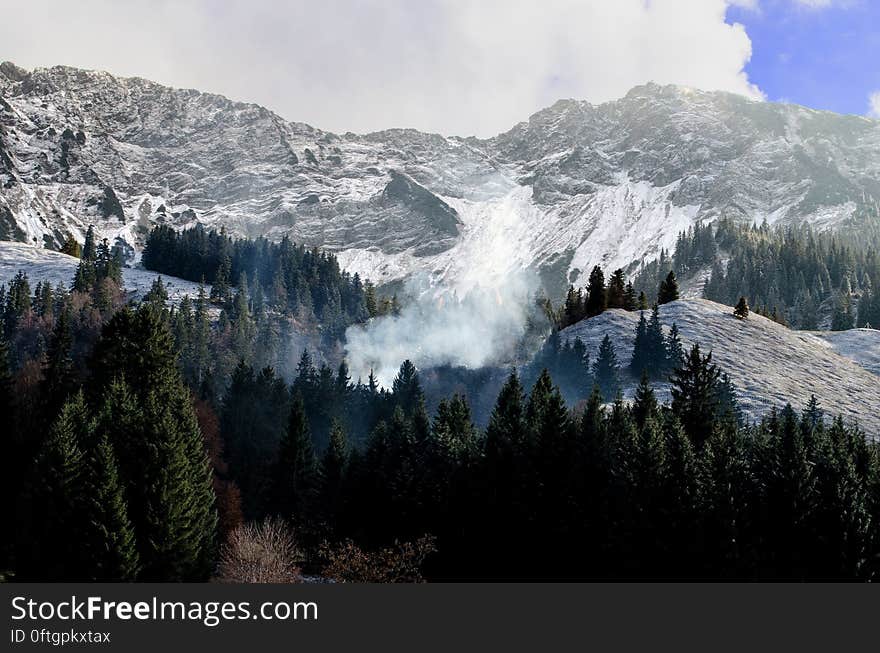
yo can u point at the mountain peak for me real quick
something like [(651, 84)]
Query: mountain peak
[(12, 72)]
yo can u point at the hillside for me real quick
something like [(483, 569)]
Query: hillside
[(575, 185), (770, 365), (56, 268)]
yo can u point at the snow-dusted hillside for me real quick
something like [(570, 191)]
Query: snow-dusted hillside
[(770, 364), (860, 345), (573, 186), (43, 265)]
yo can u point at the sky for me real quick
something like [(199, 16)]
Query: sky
[(459, 66), (823, 54)]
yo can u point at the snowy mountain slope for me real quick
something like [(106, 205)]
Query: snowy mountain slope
[(770, 365), (56, 268), (860, 345), (573, 186)]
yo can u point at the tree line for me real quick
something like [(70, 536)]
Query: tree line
[(793, 274), (287, 278)]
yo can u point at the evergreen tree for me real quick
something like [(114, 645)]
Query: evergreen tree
[(162, 456), (110, 548), (606, 370), (630, 301), (59, 378), (617, 290), (89, 249), (53, 549), (597, 300), (645, 404), (655, 345), (668, 289), (296, 468), (640, 356), (332, 470), (695, 395), (158, 294), (674, 350), (407, 390), (742, 308)]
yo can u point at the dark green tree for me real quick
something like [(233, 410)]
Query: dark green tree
[(597, 299), (295, 478), (668, 291), (606, 370)]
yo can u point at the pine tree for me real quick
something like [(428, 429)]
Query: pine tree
[(606, 370), (640, 359), (597, 300), (645, 404), (742, 308), (89, 249), (643, 301), (54, 546), (674, 350), (695, 395), (161, 454), (58, 373), (110, 548), (158, 294), (668, 289), (655, 345), (332, 471), (407, 389), (220, 291), (617, 290), (842, 317), (630, 301), (296, 469), (370, 301)]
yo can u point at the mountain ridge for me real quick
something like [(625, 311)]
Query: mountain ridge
[(575, 185)]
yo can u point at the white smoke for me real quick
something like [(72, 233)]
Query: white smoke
[(438, 325)]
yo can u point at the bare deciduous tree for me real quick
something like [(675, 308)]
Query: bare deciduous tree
[(264, 552)]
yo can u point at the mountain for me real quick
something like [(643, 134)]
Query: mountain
[(575, 185), (770, 364)]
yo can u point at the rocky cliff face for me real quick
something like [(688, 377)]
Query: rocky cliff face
[(574, 186)]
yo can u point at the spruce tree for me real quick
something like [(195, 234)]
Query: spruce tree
[(296, 469), (158, 294), (695, 395), (163, 461), (110, 548), (655, 345), (58, 373), (89, 249), (55, 538), (668, 289), (674, 349), (407, 389), (640, 359), (742, 308), (331, 473), (606, 370), (645, 404), (630, 300), (617, 290), (597, 300)]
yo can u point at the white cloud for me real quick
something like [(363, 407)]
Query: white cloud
[(874, 105), (452, 66)]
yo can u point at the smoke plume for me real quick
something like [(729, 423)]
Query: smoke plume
[(438, 325)]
